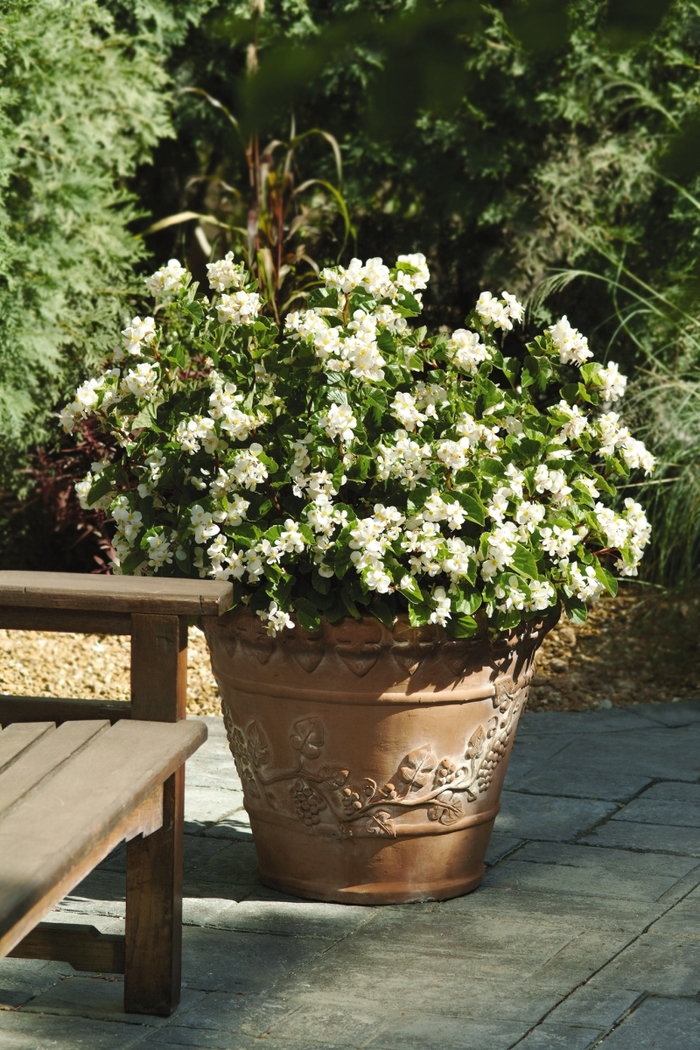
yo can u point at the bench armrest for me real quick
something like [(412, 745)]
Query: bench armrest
[(116, 594)]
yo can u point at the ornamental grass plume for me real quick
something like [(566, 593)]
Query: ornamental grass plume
[(352, 463)]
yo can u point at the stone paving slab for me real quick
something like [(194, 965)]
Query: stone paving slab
[(543, 817), (659, 1024), (661, 838), (564, 868), (585, 932)]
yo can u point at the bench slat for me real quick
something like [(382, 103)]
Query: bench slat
[(63, 821), (16, 709), (126, 594), (16, 738), (43, 759)]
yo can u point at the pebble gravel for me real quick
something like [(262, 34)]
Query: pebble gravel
[(641, 647), (92, 666)]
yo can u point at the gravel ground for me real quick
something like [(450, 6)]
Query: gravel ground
[(641, 647), (36, 663)]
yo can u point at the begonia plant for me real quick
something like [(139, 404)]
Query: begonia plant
[(352, 463)]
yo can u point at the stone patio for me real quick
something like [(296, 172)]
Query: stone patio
[(584, 933)]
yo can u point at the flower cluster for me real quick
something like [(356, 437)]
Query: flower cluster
[(350, 463)]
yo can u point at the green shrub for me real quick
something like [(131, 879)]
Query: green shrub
[(80, 107)]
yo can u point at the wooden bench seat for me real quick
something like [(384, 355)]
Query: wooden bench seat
[(154, 613), (68, 796)]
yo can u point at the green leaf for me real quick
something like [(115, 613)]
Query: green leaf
[(523, 561), (383, 613), (307, 614), (607, 579), (101, 487), (342, 562), (576, 610), (132, 561), (462, 627), (419, 615), (410, 589), (505, 621), (320, 583), (471, 505), (468, 603)]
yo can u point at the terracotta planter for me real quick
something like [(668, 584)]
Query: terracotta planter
[(372, 760)]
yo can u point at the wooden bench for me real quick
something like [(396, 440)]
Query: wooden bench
[(154, 613)]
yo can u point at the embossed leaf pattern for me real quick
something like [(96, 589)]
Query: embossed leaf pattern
[(476, 743), (258, 747), (417, 766), (334, 776), (444, 789), (381, 824), (447, 808), (307, 737), (249, 781)]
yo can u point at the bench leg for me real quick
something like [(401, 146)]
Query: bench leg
[(154, 864), (154, 910)]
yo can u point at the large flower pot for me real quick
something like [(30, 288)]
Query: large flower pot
[(372, 760)]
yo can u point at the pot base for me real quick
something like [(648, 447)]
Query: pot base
[(376, 892), (367, 871)]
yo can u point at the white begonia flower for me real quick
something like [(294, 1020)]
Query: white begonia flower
[(167, 279), (542, 595), (516, 310), (275, 619), (392, 321), (497, 508), (159, 552), (413, 282), (636, 455), (558, 542), (377, 278), (239, 308), (458, 564), (190, 432), (224, 273), (70, 414), (138, 333), (614, 383), (529, 515), (83, 490), (406, 459), (590, 486), (88, 393), (339, 422), (614, 527), (429, 397), (499, 312), (235, 512), (510, 597), (610, 433), (154, 463), (467, 351), (516, 480), (129, 522), (377, 579), (203, 525), (404, 408), (586, 585), (321, 516), (247, 471), (443, 612), (577, 423), (140, 381), (571, 346)]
